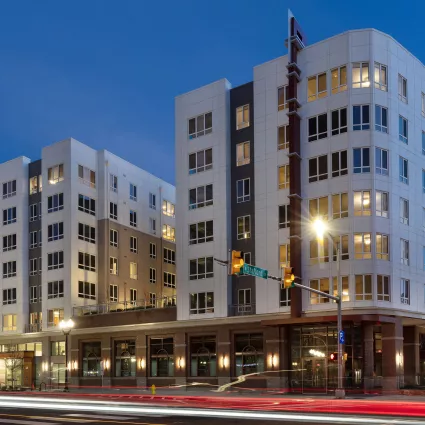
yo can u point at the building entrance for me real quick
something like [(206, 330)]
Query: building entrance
[(314, 374)]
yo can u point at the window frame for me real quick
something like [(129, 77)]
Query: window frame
[(381, 212), (88, 262), (339, 171), (403, 166), (381, 119), (52, 264), (113, 238), (362, 199), (362, 168), (243, 222), (55, 289), (198, 132), (364, 81), (343, 213), (382, 157), (382, 246), (113, 210), (196, 307), (402, 88), (381, 292), (87, 176), (405, 288), (51, 200), (314, 130), (199, 238), (55, 231), (316, 93), (208, 271), (284, 216), (169, 279), (283, 171), (197, 156), (404, 252), (379, 68), (312, 178), (282, 95), (338, 115), (245, 186), (367, 293), (86, 204), (55, 174), (364, 117), (241, 113), (403, 130), (365, 251), (340, 86)]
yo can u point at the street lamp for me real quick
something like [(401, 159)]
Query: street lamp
[(320, 229), (66, 327)]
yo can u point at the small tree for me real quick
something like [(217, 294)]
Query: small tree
[(13, 362)]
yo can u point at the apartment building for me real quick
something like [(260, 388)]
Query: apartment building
[(84, 233)]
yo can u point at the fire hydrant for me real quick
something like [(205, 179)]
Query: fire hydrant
[(153, 390)]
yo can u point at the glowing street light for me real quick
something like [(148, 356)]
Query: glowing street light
[(66, 327)]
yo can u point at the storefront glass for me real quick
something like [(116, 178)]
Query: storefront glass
[(91, 359), (161, 357), (125, 358), (203, 360), (249, 354)]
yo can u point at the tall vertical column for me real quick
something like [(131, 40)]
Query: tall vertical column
[(272, 352), (180, 361), (392, 355), (411, 359), (142, 360), (74, 355), (368, 356), (224, 356)]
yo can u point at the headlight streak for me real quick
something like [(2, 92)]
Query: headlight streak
[(188, 412)]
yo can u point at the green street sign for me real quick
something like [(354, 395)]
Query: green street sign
[(254, 271)]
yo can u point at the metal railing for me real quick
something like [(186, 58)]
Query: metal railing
[(241, 309), (33, 327), (122, 306)]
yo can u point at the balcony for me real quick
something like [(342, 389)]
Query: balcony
[(242, 310), (33, 327)]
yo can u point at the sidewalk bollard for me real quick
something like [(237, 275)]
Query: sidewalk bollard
[(153, 390)]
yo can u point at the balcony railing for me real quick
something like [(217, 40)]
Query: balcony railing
[(33, 327), (122, 306), (241, 309)]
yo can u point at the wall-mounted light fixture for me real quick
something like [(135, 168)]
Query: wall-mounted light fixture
[(142, 363), (45, 366), (106, 364), (181, 362), (75, 365), (224, 361)]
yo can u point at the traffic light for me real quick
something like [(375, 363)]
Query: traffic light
[(288, 277), (333, 357), (237, 262)]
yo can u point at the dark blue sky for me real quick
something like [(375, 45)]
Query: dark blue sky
[(106, 72)]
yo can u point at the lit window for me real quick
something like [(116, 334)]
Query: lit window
[(318, 208), (283, 177), (363, 287), (133, 270), (55, 174), (382, 247), (381, 77), (282, 98), (340, 242), (362, 246), (319, 285), (340, 205), (339, 79), (381, 200), (168, 232), (242, 117), (113, 265), (360, 75), (362, 203), (284, 255), (316, 87), (243, 155), (244, 227), (319, 251), (345, 288), (168, 208), (33, 185)]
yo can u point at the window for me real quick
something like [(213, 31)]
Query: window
[(284, 216), (9, 242), (362, 203), (201, 303), (247, 257), (381, 200), (201, 196), (242, 190), (319, 251), (161, 356), (423, 180), (402, 88), (113, 182), (381, 119), (55, 232), (316, 87), (55, 289), (318, 208), (200, 161), (39, 238), (152, 275), (169, 256), (423, 103), (404, 252), (33, 266), (55, 203), (383, 287), (9, 296), (319, 285), (342, 243), (133, 218), (86, 261), (345, 287), (382, 247), (113, 265), (381, 77), (318, 127), (113, 238), (33, 239), (360, 75), (168, 232), (55, 174), (249, 355), (125, 358), (133, 192), (361, 119), (285, 296), (33, 212), (57, 348), (201, 268), (55, 260), (201, 232), (362, 246), (40, 183), (318, 168), (340, 205), (339, 163), (9, 269), (404, 211), (203, 357), (152, 225), (133, 244), (152, 299), (381, 161), (9, 322), (242, 117), (363, 287), (339, 79), (282, 98), (283, 176), (402, 129), (152, 201), (283, 137), (284, 255), (339, 121), (87, 176), (405, 291), (403, 170), (361, 160), (169, 280), (243, 155), (168, 208), (133, 271), (33, 294), (113, 293), (152, 250), (39, 209), (200, 125), (9, 216), (91, 359), (86, 204), (9, 189), (86, 233), (113, 211), (244, 227)]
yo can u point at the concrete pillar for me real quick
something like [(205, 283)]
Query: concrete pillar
[(142, 360), (411, 359), (392, 355), (368, 356), (272, 359), (107, 358), (224, 356), (74, 356), (181, 364)]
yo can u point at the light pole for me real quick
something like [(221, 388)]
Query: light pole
[(66, 327), (320, 228)]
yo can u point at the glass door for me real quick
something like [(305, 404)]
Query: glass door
[(314, 375)]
